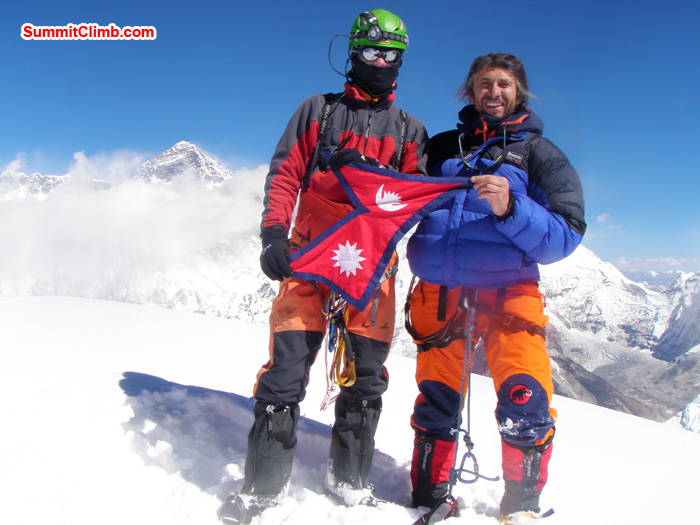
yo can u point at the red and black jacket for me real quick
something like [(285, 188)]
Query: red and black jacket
[(373, 128)]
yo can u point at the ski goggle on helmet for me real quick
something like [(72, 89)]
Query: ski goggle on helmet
[(378, 29)]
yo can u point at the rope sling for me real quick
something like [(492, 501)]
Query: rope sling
[(341, 369)]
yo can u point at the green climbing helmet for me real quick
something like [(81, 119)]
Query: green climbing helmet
[(378, 28)]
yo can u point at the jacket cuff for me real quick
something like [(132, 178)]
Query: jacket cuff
[(509, 210), (274, 232)]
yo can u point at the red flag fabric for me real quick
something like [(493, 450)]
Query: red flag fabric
[(351, 256)]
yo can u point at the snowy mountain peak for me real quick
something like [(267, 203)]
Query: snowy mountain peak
[(14, 184), (181, 159), (593, 296)]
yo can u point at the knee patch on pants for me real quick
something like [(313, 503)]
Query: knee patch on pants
[(436, 409), (522, 411)]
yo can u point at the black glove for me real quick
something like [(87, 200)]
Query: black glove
[(274, 259), (343, 157)]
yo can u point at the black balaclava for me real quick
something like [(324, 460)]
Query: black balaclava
[(376, 81)]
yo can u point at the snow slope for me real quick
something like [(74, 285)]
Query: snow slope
[(117, 413)]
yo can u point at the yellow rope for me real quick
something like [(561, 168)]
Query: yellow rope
[(348, 376)]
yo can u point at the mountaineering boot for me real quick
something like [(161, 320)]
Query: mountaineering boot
[(433, 457), (268, 464), (271, 444), (352, 449), (525, 473), (242, 508)]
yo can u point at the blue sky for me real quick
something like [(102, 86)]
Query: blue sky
[(616, 85)]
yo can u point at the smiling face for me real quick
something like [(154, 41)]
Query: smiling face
[(495, 93)]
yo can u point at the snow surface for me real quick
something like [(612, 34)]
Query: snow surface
[(117, 413)]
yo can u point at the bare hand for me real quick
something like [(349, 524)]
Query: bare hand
[(495, 190)]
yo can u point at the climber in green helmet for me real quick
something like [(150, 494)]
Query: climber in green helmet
[(303, 199), (376, 35)]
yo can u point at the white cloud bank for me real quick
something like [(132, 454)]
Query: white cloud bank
[(84, 233)]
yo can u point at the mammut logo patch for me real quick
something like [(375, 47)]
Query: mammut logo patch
[(520, 394), (515, 158)]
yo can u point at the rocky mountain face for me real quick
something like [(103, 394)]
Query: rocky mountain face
[(626, 345), (182, 159), (616, 329), (683, 331)]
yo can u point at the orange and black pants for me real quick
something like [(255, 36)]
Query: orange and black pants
[(519, 365), (296, 333)]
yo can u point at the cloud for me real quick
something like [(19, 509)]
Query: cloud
[(110, 167), (658, 264), (607, 220), (82, 235), (15, 166)]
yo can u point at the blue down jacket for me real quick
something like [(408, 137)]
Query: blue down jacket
[(463, 243)]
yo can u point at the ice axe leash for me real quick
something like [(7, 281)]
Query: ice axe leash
[(461, 474)]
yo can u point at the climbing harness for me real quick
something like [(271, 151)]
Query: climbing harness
[(453, 329), (454, 326)]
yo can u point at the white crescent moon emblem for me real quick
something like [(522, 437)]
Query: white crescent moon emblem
[(388, 201)]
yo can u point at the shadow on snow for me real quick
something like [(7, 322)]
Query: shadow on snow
[(202, 435)]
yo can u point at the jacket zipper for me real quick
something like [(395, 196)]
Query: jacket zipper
[(363, 445), (256, 446), (268, 417), (369, 125)]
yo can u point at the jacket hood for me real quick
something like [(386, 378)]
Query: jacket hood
[(475, 124)]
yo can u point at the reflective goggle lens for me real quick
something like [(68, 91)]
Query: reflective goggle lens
[(391, 56)]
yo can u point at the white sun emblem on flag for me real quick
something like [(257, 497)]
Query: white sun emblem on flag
[(348, 258)]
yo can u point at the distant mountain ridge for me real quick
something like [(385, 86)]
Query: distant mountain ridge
[(660, 280), (13, 185), (622, 344)]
